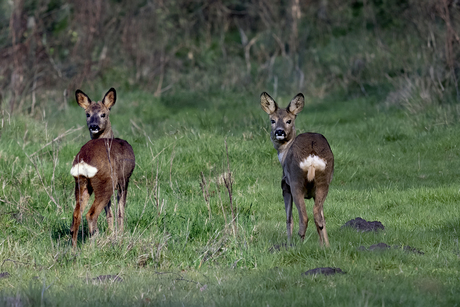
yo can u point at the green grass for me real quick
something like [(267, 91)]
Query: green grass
[(391, 165)]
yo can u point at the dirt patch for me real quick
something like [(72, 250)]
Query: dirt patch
[(364, 226), (324, 271), (382, 246), (4, 275)]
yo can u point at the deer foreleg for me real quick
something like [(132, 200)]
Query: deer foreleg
[(288, 207)]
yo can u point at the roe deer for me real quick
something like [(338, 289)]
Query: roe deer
[(98, 122), (97, 113), (101, 166), (307, 161)]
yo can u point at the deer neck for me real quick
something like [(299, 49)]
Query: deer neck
[(106, 134), (283, 149)]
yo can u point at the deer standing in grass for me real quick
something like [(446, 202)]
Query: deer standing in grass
[(104, 164), (307, 161)]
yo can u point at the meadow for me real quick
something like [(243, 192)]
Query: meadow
[(181, 244)]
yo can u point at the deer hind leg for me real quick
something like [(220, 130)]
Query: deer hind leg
[(82, 194), (288, 207), (102, 196), (318, 213), (109, 214), (122, 192), (298, 196)]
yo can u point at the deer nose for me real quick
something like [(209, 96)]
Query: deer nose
[(94, 127), (280, 134)]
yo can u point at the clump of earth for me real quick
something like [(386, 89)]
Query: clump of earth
[(364, 226)]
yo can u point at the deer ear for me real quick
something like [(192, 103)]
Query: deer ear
[(82, 99), (109, 98), (267, 103), (296, 104)]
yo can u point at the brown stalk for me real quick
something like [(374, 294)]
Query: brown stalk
[(229, 186), (204, 189), (43, 183)]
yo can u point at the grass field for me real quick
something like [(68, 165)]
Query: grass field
[(393, 164)]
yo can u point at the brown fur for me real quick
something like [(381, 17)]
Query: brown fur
[(298, 184), (115, 162)]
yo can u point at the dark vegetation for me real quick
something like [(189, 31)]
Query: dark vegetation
[(396, 49)]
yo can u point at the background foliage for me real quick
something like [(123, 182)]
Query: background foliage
[(401, 49)]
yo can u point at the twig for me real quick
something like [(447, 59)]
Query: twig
[(204, 189), (14, 261), (170, 167), (221, 204), (43, 183), (228, 185), (72, 130)]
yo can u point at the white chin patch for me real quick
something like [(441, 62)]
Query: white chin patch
[(94, 131), (280, 137), (83, 169)]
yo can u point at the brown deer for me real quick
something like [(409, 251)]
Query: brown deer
[(307, 161), (101, 166), (97, 113), (98, 122)]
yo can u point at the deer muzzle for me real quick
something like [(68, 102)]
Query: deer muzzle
[(280, 134)]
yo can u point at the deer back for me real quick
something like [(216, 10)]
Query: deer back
[(309, 149), (107, 159)]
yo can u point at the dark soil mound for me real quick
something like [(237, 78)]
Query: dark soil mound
[(324, 271), (383, 246), (364, 226)]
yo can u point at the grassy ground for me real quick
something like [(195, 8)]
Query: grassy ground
[(391, 164)]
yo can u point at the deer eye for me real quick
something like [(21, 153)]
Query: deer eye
[(273, 121), (288, 122), (103, 115), (87, 114)]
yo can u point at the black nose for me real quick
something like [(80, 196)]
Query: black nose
[(93, 127), (280, 132)]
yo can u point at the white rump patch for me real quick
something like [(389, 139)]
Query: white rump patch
[(83, 169), (315, 161)]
